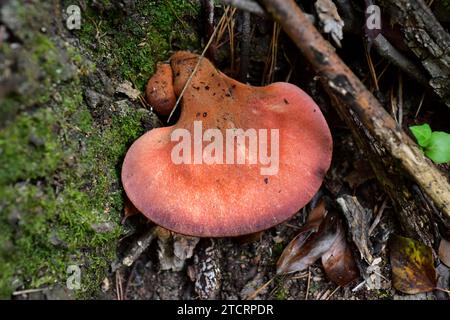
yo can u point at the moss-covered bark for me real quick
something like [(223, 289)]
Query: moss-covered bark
[(63, 132)]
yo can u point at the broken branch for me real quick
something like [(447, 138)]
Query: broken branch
[(361, 106)]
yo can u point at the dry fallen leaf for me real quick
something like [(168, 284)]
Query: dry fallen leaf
[(444, 252), (317, 214), (412, 266), (338, 262), (308, 246), (323, 235)]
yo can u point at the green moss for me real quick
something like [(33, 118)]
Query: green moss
[(29, 149), (55, 228), (46, 55), (59, 164), (138, 42)]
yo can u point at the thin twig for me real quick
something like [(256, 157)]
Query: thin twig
[(119, 290), (400, 100), (291, 66), (323, 295), (292, 226), (271, 62), (257, 291), (356, 104), (230, 28), (359, 286), (185, 26), (200, 58), (388, 51), (420, 105), (377, 219), (308, 284), (334, 291), (300, 276), (372, 69), (383, 71), (222, 25), (393, 100), (443, 290), (18, 293), (131, 277)]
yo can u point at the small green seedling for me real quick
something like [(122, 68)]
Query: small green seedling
[(435, 144)]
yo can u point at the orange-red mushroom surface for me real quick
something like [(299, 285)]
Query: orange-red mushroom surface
[(159, 90), (220, 199)]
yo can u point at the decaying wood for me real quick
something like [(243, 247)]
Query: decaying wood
[(388, 51), (358, 219), (374, 127), (424, 35), (393, 181), (135, 251)]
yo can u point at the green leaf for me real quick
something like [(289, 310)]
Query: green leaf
[(422, 134), (438, 148)]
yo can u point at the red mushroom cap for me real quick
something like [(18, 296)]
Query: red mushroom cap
[(159, 90), (215, 200)]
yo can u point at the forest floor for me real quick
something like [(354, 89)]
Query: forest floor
[(64, 131)]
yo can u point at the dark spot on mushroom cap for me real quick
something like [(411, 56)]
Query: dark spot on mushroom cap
[(314, 110), (266, 180), (206, 87), (286, 101), (205, 114)]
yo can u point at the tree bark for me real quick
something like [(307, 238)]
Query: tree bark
[(426, 38)]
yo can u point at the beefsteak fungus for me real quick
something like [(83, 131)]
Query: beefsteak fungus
[(283, 150)]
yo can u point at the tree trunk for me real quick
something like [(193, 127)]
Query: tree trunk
[(426, 38)]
